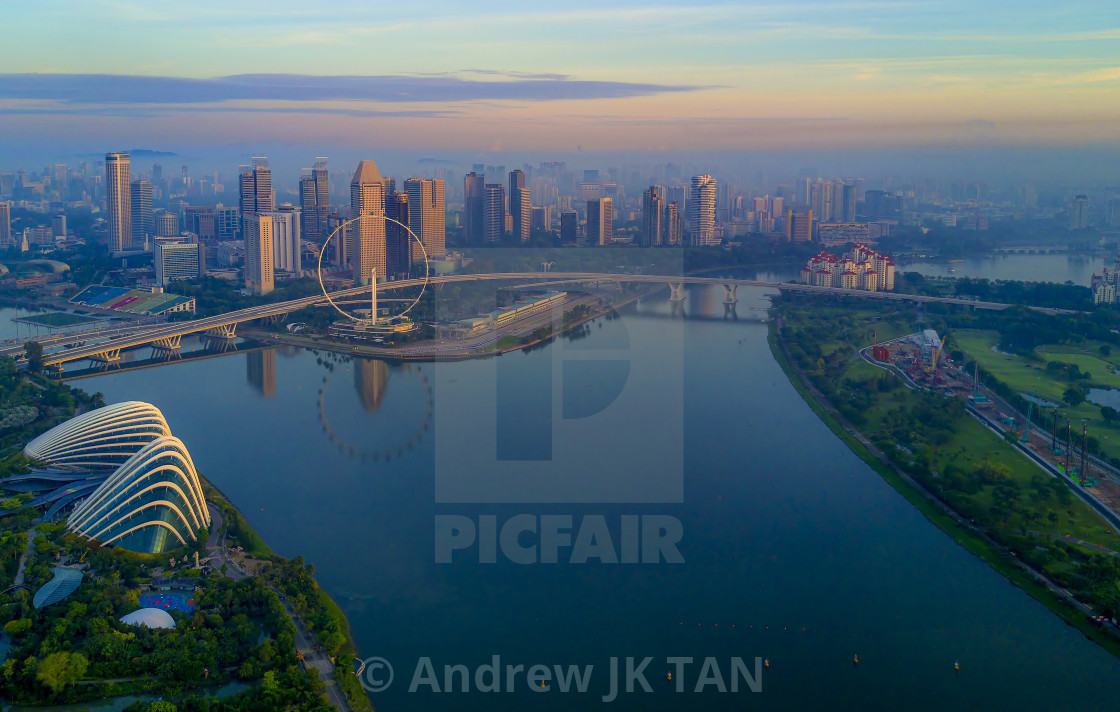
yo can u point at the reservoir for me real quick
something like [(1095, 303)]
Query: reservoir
[(793, 549)]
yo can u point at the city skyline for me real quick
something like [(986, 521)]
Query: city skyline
[(504, 77)]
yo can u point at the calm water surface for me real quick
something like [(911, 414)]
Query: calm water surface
[(794, 549), (1029, 268)]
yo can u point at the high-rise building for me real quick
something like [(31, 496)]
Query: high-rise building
[(600, 221), (653, 209), (366, 245), (671, 224), (286, 238), (118, 199), (569, 226), (259, 271), (522, 217), (849, 203), (315, 201), (493, 212), (427, 215), (166, 224), (520, 205), (702, 211), (143, 226), (58, 226), (400, 247), (256, 188), (5, 224), (474, 190), (799, 228), (229, 222), (1079, 212), (177, 258), (542, 218)]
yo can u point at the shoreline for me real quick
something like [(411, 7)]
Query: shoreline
[(972, 539)]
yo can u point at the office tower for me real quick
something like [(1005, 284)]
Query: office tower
[(202, 221), (542, 218), (5, 224), (474, 189), (256, 188), (671, 224), (143, 225), (229, 222), (286, 238), (520, 205), (177, 259), (600, 221), (849, 203), (58, 225), (259, 274), (1079, 212), (653, 209), (401, 249), (493, 212), (366, 245), (799, 228), (157, 173), (118, 199), (166, 224), (778, 207), (569, 226), (881, 204), (315, 201), (1111, 213), (427, 214), (521, 217), (702, 211)]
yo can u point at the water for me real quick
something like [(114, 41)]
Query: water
[(14, 330), (1028, 268), (794, 549)]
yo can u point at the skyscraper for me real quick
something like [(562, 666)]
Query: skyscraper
[(366, 245), (259, 273), (569, 226), (256, 189), (474, 190), (177, 258), (1079, 212), (493, 212), (286, 238), (520, 205), (849, 203), (401, 249), (427, 214), (118, 199), (600, 221), (653, 208), (142, 225), (702, 211), (315, 201), (5, 224), (672, 224)]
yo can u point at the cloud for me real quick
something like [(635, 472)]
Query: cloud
[(146, 111), (126, 89)]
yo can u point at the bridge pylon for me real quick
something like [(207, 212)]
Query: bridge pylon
[(107, 356), (169, 343), (677, 292), (222, 331), (730, 296)]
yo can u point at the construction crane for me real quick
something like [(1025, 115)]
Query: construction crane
[(935, 355)]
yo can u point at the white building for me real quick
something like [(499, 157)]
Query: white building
[(259, 270), (286, 240), (702, 211), (177, 259), (118, 199)]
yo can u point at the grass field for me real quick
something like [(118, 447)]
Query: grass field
[(56, 319), (1025, 375)]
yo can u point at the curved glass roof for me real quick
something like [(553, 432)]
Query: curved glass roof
[(65, 582)]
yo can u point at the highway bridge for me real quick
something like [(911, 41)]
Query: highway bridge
[(224, 326)]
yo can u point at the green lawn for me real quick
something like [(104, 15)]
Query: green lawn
[(56, 319)]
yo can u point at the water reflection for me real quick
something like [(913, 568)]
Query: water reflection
[(260, 371)]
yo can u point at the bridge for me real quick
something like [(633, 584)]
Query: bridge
[(168, 336)]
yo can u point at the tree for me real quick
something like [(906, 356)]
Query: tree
[(1109, 413), (58, 670), (161, 706), (1105, 349), (1073, 397), (34, 351)]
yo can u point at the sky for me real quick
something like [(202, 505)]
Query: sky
[(500, 76)]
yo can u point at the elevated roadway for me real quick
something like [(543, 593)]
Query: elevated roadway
[(168, 335)]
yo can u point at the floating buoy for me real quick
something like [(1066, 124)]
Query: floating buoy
[(669, 677), (855, 659), (957, 666), (766, 662)]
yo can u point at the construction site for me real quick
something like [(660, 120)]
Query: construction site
[(1036, 426)]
